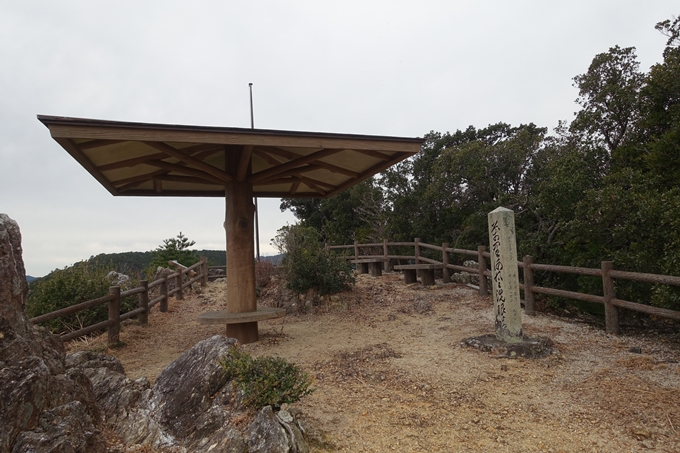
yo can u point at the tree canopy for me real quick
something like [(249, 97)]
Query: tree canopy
[(604, 187)]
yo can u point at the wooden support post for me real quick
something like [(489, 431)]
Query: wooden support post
[(114, 316), (416, 252), (481, 267), (144, 303), (179, 295), (356, 250), (446, 272), (204, 271), (164, 292), (529, 301), (410, 276), (239, 225), (416, 249), (386, 252), (427, 277), (611, 312)]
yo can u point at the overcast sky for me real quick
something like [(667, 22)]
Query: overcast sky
[(370, 67)]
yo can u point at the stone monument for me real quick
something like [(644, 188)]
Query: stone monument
[(508, 340), (504, 276)]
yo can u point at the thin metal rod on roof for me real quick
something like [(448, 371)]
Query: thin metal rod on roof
[(252, 118), (257, 223)]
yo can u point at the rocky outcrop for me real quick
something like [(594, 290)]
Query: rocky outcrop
[(118, 279), (189, 407), (56, 403), (45, 407)]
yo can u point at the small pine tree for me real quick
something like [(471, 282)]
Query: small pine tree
[(174, 249)]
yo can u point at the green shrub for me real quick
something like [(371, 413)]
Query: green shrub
[(306, 265), (266, 381), (72, 285)]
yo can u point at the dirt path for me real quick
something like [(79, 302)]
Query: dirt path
[(391, 374)]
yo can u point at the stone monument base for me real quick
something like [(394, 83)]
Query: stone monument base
[(529, 348)]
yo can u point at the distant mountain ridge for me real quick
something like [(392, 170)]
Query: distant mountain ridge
[(138, 261), (134, 262)]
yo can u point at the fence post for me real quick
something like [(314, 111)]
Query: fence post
[(386, 252), (204, 271), (446, 272), (416, 249), (529, 301), (164, 292), (144, 302), (611, 312), (481, 268), (179, 295), (356, 250), (114, 316)]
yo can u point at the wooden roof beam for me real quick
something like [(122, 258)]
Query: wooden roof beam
[(378, 154), (169, 150), (294, 188), (368, 173), (285, 174), (73, 149), (185, 179), (266, 157), (279, 152), (131, 162), (272, 182), (91, 144), (313, 184), (244, 163), (200, 151), (186, 170), (292, 164), (306, 179), (143, 178), (132, 185), (291, 156), (334, 168)]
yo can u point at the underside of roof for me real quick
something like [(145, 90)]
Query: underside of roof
[(140, 159)]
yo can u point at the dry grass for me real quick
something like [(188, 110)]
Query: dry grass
[(391, 374)]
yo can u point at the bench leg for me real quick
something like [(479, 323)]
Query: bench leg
[(245, 332), (376, 269), (427, 277), (410, 276)]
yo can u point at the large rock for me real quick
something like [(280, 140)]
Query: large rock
[(64, 429), (189, 408), (13, 284), (45, 408), (266, 435)]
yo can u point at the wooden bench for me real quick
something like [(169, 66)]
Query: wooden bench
[(426, 272), (374, 264), (222, 317)]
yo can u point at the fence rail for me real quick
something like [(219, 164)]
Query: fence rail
[(194, 273), (606, 272)]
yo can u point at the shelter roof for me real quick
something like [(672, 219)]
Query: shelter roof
[(144, 159)]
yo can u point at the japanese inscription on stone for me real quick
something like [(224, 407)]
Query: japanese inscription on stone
[(504, 275)]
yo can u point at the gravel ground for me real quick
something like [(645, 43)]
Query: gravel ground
[(391, 375)]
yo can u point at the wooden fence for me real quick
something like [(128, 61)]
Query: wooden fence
[(112, 324), (606, 272)]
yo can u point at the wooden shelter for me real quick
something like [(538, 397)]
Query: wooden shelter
[(142, 159)]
